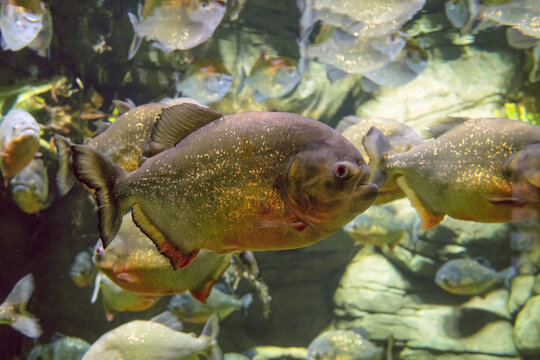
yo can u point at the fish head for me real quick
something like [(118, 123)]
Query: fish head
[(30, 187), (82, 271), (19, 124), (327, 184), (322, 348), (208, 11), (105, 259)]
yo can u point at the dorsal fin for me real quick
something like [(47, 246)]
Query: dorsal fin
[(178, 121), (442, 126)]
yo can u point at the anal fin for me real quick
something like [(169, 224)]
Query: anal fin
[(177, 258), (428, 219)]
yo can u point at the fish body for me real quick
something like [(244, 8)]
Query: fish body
[(343, 344), (147, 340), (176, 24), (469, 277), (357, 55), (186, 308), (277, 181), (116, 299), (133, 263), (522, 15), (272, 77), (400, 136), (206, 81), (460, 173), (42, 41), (386, 224), (13, 309), (19, 142), (83, 271), (65, 348), (30, 187)]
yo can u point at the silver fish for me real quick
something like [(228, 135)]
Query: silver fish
[(64, 348), (206, 81), (343, 344)]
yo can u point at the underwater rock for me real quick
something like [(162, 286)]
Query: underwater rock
[(472, 85), (417, 354), (521, 291), (375, 295), (526, 332)]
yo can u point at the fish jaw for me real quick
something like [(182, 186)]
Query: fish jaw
[(18, 153)]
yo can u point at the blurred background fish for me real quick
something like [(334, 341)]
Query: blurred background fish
[(272, 77), (63, 348), (25, 23), (186, 308), (30, 188), (83, 270), (13, 309), (206, 81), (176, 24), (343, 344), (19, 142)]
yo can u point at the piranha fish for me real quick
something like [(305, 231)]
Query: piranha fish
[(25, 23), (459, 173), (83, 271), (19, 142), (400, 136), (343, 344), (134, 263), (520, 14), (386, 224), (271, 78), (13, 309), (64, 348), (124, 142), (141, 340), (186, 308), (277, 181), (115, 299), (206, 81), (176, 24), (469, 277), (30, 187), (357, 55)]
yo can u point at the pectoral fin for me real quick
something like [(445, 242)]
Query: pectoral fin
[(428, 219), (177, 258)]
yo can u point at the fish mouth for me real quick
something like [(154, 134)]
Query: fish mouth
[(28, 131)]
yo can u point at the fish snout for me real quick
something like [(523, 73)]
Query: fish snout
[(222, 2)]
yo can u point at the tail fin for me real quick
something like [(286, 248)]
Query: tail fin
[(64, 176), (377, 147), (211, 331), (18, 297), (246, 301), (101, 174)]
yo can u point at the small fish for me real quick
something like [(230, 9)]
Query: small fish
[(270, 78), (13, 309), (176, 24), (357, 55), (206, 81), (64, 348), (387, 224), (401, 137), (277, 181), (30, 187), (124, 142), (142, 340), (133, 263), (459, 173), (186, 308), (115, 299), (83, 271), (19, 142), (343, 344), (21, 22), (469, 277)]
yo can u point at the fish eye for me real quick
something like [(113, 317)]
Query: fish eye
[(342, 171), (205, 5)]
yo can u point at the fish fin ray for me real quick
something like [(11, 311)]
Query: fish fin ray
[(22, 291), (428, 219), (99, 173), (444, 125), (137, 40), (64, 176), (211, 328), (177, 258), (27, 325), (178, 121)]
